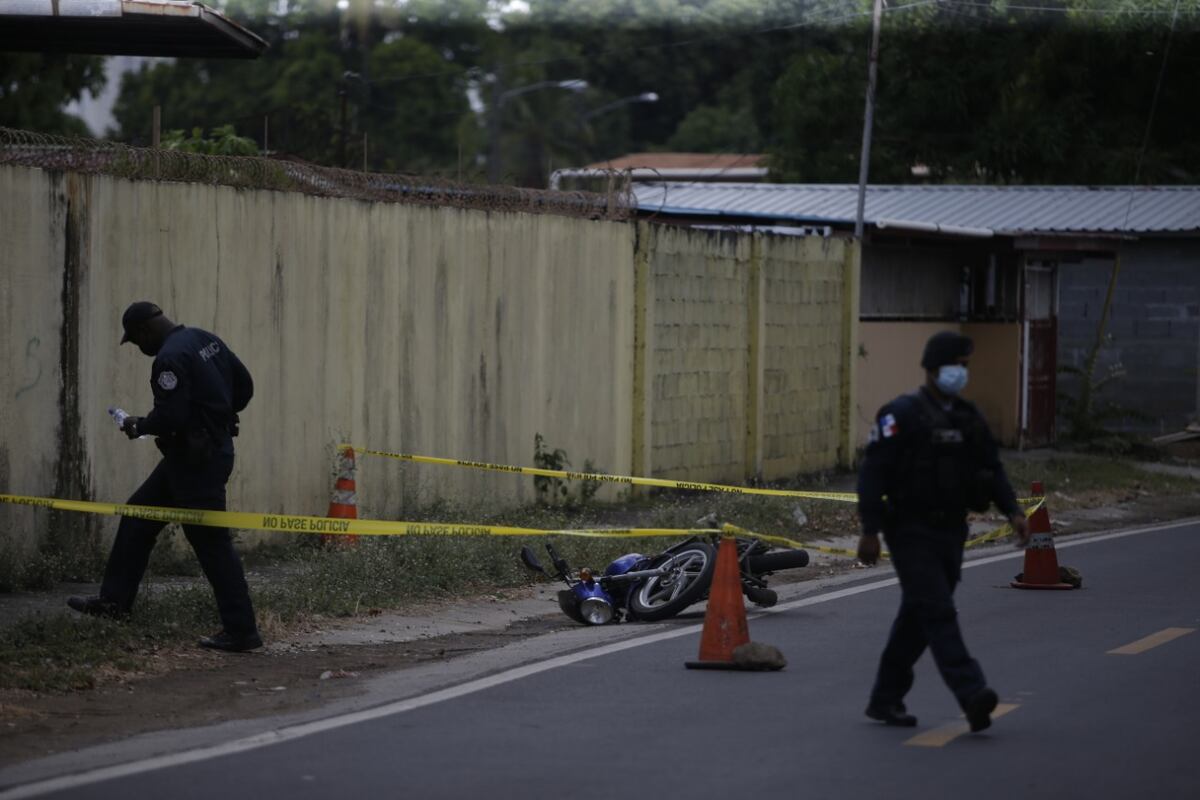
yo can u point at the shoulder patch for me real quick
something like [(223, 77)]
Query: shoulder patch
[(887, 426), (167, 380)]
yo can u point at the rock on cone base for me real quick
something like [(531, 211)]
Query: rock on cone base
[(725, 641), (1041, 561)]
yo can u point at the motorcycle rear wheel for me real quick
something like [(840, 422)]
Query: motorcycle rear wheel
[(689, 575)]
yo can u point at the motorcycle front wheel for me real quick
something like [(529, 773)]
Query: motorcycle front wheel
[(688, 575)]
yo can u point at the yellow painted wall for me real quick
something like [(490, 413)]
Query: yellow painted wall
[(803, 347), (747, 342), (995, 385), (889, 364), (700, 344), (435, 331)]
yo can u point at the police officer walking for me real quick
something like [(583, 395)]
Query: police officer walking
[(930, 458), (199, 387)]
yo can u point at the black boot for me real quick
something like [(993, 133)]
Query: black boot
[(230, 643), (96, 606), (891, 714), (979, 709)]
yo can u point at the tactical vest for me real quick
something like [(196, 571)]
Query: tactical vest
[(942, 472)]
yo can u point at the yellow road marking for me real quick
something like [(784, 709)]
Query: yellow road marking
[(1151, 641), (939, 737)]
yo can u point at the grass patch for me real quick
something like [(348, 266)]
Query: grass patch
[(68, 652), (1080, 481), (65, 652)]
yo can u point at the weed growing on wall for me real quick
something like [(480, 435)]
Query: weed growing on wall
[(556, 491)]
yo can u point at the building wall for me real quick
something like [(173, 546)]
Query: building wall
[(1154, 328), (436, 331), (804, 354), (699, 379), (995, 378), (912, 282), (433, 331), (747, 343), (890, 365)]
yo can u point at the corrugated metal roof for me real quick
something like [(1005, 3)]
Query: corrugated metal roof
[(1006, 210)]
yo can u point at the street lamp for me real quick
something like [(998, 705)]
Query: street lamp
[(499, 98), (644, 97)]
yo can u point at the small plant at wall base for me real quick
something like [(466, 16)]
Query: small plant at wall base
[(1084, 415), (549, 490), (552, 491)]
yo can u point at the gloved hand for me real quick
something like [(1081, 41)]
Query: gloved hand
[(868, 549), (130, 427), (1020, 526)]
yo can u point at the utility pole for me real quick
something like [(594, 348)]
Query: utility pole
[(868, 121), (342, 126)]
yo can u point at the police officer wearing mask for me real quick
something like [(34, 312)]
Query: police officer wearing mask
[(930, 458), (199, 387)]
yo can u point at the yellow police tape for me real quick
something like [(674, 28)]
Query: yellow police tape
[(841, 497), (291, 523), (991, 536)]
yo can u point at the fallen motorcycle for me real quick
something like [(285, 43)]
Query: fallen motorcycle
[(657, 587)]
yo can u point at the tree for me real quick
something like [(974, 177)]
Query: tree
[(988, 96), (35, 87)]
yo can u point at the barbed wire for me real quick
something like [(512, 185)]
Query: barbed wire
[(77, 154)]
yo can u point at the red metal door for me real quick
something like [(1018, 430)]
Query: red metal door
[(1041, 353)]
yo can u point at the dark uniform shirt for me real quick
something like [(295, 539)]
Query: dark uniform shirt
[(199, 387), (927, 463)]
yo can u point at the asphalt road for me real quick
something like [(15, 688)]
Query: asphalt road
[(1078, 721)]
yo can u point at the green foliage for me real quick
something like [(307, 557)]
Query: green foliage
[(224, 141), (987, 95), (976, 92), (34, 88), (550, 491), (716, 129)]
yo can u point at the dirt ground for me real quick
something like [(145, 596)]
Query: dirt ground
[(189, 687)]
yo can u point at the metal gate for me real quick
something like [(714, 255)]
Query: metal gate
[(1039, 359)]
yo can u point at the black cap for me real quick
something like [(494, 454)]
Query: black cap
[(136, 314), (945, 348)]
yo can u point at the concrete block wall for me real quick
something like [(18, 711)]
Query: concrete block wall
[(1154, 326), (802, 353), (699, 357), (747, 341)]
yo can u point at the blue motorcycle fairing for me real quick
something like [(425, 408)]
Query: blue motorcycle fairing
[(623, 564), (583, 591)]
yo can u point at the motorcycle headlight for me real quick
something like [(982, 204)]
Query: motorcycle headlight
[(596, 611)]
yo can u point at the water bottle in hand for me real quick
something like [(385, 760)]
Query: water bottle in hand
[(119, 416)]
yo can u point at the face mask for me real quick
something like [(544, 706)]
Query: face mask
[(952, 378)]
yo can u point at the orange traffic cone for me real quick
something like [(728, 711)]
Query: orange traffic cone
[(343, 504), (1041, 560), (725, 629)]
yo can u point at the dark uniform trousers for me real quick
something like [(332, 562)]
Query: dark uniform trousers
[(177, 484), (928, 563)]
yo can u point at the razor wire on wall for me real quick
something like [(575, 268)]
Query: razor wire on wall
[(156, 164)]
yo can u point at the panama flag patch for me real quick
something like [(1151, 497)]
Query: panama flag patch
[(888, 427)]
